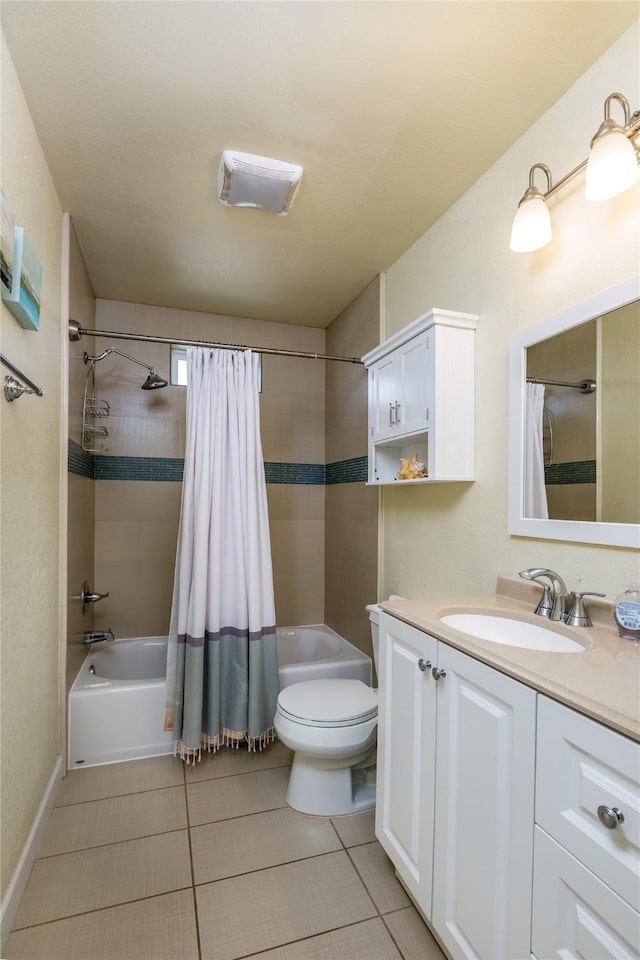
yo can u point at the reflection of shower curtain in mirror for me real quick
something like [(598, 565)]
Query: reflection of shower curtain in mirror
[(222, 667), (535, 494)]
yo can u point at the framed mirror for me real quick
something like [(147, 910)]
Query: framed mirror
[(574, 423)]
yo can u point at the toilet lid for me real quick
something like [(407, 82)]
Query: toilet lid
[(329, 703)]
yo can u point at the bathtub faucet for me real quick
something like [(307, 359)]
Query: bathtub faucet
[(98, 636)]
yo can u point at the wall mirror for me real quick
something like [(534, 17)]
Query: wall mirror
[(574, 423)]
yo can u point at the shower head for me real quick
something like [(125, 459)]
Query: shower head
[(153, 381)]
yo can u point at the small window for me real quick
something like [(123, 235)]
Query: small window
[(179, 375), (178, 365)]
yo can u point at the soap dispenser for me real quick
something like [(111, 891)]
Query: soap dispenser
[(627, 612)]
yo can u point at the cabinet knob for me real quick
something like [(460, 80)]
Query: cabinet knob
[(438, 674), (424, 664), (610, 816)]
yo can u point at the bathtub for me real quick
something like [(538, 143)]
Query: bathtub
[(116, 703)]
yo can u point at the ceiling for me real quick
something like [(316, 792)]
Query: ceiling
[(393, 108)]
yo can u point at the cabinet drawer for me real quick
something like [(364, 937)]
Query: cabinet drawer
[(581, 766), (574, 913)]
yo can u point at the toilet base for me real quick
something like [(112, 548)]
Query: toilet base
[(323, 792)]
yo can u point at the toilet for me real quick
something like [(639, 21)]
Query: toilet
[(331, 725)]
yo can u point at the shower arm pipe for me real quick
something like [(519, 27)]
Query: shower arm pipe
[(39, 392), (110, 350), (76, 331), (584, 386)]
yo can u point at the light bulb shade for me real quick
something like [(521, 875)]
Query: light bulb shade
[(531, 228), (612, 167)]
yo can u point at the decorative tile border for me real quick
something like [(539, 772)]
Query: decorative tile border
[(578, 471), (171, 469), (304, 473), (79, 461), (139, 468), (347, 471)]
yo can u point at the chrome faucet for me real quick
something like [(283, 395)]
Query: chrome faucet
[(87, 597), (98, 636), (556, 600)]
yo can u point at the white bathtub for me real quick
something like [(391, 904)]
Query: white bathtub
[(116, 703)]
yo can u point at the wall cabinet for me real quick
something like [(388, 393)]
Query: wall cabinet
[(455, 790), (421, 398), (497, 807)]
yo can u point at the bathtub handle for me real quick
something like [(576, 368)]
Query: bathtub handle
[(88, 597)]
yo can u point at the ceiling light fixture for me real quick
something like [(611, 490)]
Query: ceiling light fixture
[(612, 168), (246, 180)]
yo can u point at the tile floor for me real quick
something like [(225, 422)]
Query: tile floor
[(151, 860)]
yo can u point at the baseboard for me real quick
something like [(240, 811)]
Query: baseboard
[(18, 882)]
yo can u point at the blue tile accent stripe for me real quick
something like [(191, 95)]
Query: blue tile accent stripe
[(79, 461), (347, 471), (579, 471), (139, 468), (304, 473), (171, 469)]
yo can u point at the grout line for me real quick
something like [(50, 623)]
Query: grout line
[(313, 936), (362, 881), (112, 843), (270, 866), (240, 816), (193, 878), (393, 939), (108, 906), (116, 796)]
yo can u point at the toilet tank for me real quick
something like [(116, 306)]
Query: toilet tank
[(374, 611)]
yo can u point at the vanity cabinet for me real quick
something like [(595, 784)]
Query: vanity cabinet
[(488, 806), (587, 839), (405, 794), (483, 838), (421, 399), (455, 790)]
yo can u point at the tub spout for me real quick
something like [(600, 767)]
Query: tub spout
[(98, 636)]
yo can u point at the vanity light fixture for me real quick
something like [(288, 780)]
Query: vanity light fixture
[(532, 224), (612, 168)]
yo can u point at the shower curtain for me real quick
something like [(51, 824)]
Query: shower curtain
[(222, 666), (535, 493)]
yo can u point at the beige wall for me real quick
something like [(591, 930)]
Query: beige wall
[(80, 490), (351, 525), (30, 475), (619, 398), (137, 521), (453, 538)]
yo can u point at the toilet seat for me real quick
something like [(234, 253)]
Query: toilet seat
[(328, 703)]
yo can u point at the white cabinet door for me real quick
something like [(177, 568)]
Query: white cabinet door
[(406, 752), (575, 916), (483, 841), (583, 766), (384, 395), (412, 410)]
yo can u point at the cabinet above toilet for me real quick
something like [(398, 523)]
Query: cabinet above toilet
[(422, 399)]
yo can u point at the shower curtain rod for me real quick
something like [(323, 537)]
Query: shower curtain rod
[(76, 331), (584, 386)]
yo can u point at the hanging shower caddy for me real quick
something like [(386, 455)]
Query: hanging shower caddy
[(94, 432)]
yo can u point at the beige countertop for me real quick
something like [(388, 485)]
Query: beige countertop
[(602, 682)]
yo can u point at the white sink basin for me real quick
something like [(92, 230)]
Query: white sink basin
[(514, 633)]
